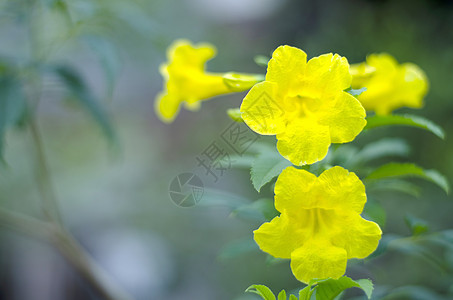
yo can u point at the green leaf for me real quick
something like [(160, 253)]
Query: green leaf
[(266, 166), (375, 212), (261, 290), (243, 161), (411, 170), (238, 248), (328, 289), (292, 297), (77, 86), (220, 198), (109, 59), (261, 210), (235, 114), (306, 292), (261, 60), (382, 148), (355, 92), (282, 295), (12, 105), (415, 246), (413, 293), (270, 260), (341, 155), (416, 225), (394, 185), (405, 120)]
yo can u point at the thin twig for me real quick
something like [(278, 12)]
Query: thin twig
[(49, 205), (61, 238), (54, 230), (88, 268), (25, 224), (68, 247)]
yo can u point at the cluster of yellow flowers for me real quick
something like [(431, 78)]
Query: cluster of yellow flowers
[(304, 103)]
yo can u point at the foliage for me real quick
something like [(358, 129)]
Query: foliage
[(382, 164)]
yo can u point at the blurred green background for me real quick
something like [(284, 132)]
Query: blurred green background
[(115, 199)]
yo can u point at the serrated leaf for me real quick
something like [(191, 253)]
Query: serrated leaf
[(282, 295), (367, 286), (261, 210), (261, 60), (328, 289), (382, 148), (409, 170), (79, 89), (355, 92), (306, 292), (243, 161), (235, 114), (266, 166), (262, 291), (405, 120)]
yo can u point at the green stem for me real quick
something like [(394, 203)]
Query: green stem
[(53, 230), (49, 205), (25, 224), (59, 236)]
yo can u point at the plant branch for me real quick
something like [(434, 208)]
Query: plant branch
[(56, 233), (25, 224), (87, 267), (68, 247), (49, 205)]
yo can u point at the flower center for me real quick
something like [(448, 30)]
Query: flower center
[(300, 106), (318, 221)]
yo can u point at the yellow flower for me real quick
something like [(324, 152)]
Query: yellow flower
[(304, 104), (389, 84), (186, 80), (320, 226)]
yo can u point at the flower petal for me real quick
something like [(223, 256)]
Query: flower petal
[(337, 188), (304, 141), (325, 75), (391, 86), (413, 87), (318, 259), (292, 188), (278, 237), (382, 61), (166, 107), (359, 237), (345, 118), (261, 110), (182, 52), (287, 66)]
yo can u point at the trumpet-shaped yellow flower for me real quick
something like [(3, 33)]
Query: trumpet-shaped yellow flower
[(320, 226), (186, 80), (389, 84), (304, 104)]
